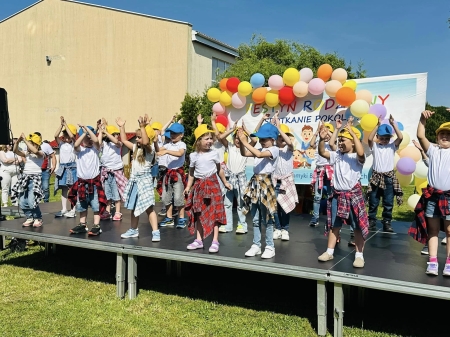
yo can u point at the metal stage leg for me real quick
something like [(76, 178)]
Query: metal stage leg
[(121, 265), (338, 310), (53, 248), (321, 308), (132, 276), (47, 248), (168, 267), (179, 265), (2, 243)]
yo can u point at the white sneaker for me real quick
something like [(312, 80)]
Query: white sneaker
[(444, 241), (269, 252), (222, 229), (70, 214), (284, 235), (130, 233), (276, 234), (4, 205), (254, 250)]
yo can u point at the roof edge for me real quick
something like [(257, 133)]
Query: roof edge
[(213, 43), (22, 10)]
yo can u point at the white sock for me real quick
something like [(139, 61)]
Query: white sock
[(330, 251), (359, 255), (64, 198)]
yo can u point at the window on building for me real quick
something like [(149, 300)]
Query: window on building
[(218, 67)]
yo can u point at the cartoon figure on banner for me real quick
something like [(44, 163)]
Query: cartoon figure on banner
[(310, 156), (299, 160), (306, 135)]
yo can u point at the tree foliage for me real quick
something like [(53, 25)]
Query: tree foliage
[(441, 116)]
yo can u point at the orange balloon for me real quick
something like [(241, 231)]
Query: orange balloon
[(411, 152), (345, 96), (324, 72), (223, 84), (259, 95)]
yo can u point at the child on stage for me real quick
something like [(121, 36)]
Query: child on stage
[(432, 210), (205, 203), (346, 203), (384, 182)]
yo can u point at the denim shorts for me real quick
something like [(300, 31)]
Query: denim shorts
[(432, 208), (110, 187), (338, 221), (91, 200)]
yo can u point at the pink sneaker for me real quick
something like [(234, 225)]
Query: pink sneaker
[(214, 247), (105, 215), (197, 244), (117, 216)]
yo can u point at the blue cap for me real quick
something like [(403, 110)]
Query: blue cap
[(384, 130), (176, 128), (266, 131), (167, 134), (81, 131)]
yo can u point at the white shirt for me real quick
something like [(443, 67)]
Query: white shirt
[(174, 162), (321, 161), (220, 148), (47, 149), (111, 156), (383, 157), (236, 162), (7, 155), (347, 170), (266, 165), (136, 166), (66, 152), (204, 163), (88, 162), (439, 168), (285, 162), (33, 164)]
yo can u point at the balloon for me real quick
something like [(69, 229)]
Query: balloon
[(213, 94), (223, 84), (412, 201), (418, 181), (300, 89), (225, 98), (286, 95), (400, 126), (359, 108), (222, 119), (232, 84), (420, 187), (365, 95), (272, 98), (345, 96), (406, 166), (257, 80), (411, 152), (238, 101), (421, 171), (405, 141), (306, 75), (244, 88), (218, 109), (332, 87), (378, 110), (350, 84), (291, 76), (404, 181), (316, 86), (276, 82), (365, 138), (340, 75), (324, 72), (259, 95), (369, 122)]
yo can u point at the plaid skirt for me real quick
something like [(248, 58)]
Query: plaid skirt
[(206, 199)]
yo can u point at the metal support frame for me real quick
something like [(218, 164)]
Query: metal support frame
[(2, 242), (338, 310), (179, 265), (121, 265), (321, 308), (168, 267), (132, 276)]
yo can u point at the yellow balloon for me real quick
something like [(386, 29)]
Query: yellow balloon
[(405, 141), (291, 76), (225, 98), (244, 88), (368, 122), (412, 201), (403, 180), (421, 186), (213, 95), (359, 108), (350, 84), (272, 98)]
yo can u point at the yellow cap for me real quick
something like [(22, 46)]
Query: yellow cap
[(329, 126), (444, 126), (35, 138), (344, 133), (72, 129), (285, 129), (151, 134), (156, 126), (220, 127), (111, 129), (201, 130)]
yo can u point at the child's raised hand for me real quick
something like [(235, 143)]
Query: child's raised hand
[(228, 186), (104, 121), (323, 132), (266, 115), (427, 114), (213, 117), (241, 135), (379, 120), (147, 119), (120, 122), (180, 121), (62, 120), (417, 145), (391, 120), (338, 124), (21, 137), (200, 119)]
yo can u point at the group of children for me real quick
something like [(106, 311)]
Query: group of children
[(91, 174)]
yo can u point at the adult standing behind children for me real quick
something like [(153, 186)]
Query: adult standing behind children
[(384, 182), (48, 167), (9, 171)]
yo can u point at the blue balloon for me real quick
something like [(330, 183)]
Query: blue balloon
[(257, 80), (400, 126)]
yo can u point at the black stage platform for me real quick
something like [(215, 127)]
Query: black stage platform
[(393, 261)]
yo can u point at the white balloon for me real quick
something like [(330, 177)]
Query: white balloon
[(306, 75), (412, 201), (421, 170)]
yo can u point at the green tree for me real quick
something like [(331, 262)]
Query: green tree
[(441, 116)]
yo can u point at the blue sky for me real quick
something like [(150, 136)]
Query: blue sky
[(390, 37)]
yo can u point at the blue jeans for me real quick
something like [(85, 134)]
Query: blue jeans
[(281, 217), (318, 192), (26, 201), (337, 221), (46, 184), (110, 187), (388, 200), (228, 203), (91, 200), (259, 213)]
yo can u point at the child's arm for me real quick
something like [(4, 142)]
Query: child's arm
[(358, 145), (123, 136), (285, 136), (222, 177), (333, 137), (250, 150), (322, 151), (200, 119), (59, 129), (424, 142), (397, 131), (16, 148), (190, 180), (164, 128), (32, 148), (224, 141), (101, 129), (313, 138), (78, 142), (373, 133), (93, 138), (422, 152), (178, 153), (143, 122), (261, 121), (69, 133), (253, 140)]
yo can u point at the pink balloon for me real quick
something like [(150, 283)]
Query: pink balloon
[(378, 110), (406, 166), (276, 82), (316, 86), (238, 101), (218, 108)]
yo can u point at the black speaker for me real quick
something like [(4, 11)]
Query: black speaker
[(4, 118)]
